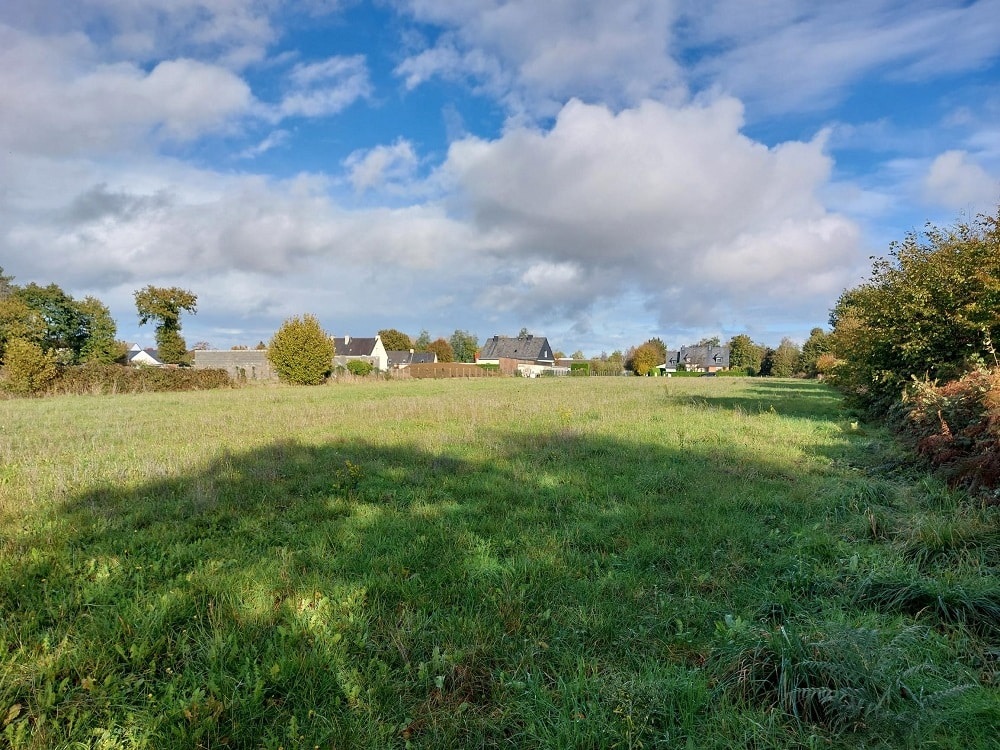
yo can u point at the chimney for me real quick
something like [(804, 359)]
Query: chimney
[(347, 339)]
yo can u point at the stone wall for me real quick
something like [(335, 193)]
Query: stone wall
[(241, 364)]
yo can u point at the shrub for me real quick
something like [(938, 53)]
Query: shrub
[(360, 367), (957, 426), (27, 368), (579, 368), (301, 351), (96, 378)]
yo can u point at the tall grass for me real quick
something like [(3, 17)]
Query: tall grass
[(576, 562)]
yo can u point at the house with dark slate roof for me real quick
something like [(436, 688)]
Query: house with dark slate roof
[(698, 359), (365, 349), (399, 360), (513, 353)]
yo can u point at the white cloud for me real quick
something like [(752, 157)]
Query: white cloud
[(955, 181), (791, 54), (67, 103), (675, 202), (374, 167), (326, 87), (540, 54)]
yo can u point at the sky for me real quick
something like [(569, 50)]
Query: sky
[(597, 172)]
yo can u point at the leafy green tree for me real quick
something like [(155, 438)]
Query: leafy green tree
[(301, 351), (18, 321), (815, 347), (786, 359), (931, 309), (464, 345), (422, 341), (27, 368), (442, 349), (711, 341), (65, 327), (164, 305), (395, 341), (578, 354), (744, 354), (523, 333), (100, 344)]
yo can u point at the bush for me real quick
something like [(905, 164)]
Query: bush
[(360, 367), (27, 369), (301, 351), (957, 427), (96, 378), (579, 368)]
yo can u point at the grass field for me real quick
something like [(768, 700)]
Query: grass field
[(571, 563)]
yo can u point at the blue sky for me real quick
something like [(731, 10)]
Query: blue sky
[(597, 172)]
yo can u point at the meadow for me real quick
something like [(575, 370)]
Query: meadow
[(548, 563)]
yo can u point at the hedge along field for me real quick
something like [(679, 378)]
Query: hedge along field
[(571, 562)]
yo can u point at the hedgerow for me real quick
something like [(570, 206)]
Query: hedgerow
[(94, 378)]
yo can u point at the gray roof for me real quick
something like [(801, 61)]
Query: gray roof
[(527, 349), (349, 346), (701, 356), (410, 357)]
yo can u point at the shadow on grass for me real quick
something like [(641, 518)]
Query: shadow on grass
[(800, 398), (560, 591)]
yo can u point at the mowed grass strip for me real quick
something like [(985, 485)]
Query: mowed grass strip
[(573, 562)]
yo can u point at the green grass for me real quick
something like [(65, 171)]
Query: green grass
[(564, 563)]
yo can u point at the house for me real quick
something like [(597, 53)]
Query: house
[(697, 359), (399, 360), (365, 349), (513, 354), (139, 357)]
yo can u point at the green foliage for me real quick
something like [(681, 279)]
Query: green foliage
[(578, 354), (96, 378), (442, 349), (100, 344), (464, 345), (19, 321), (395, 341), (422, 341), (931, 310), (489, 367), (745, 354), (301, 351), (709, 341), (6, 284), (164, 306), (27, 368), (784, 361), (843, 679), (360, 367), (579, 368)]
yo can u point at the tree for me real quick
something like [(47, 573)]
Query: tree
[(422, 341), (27, 367), (301, 351), (744, 354), (646, 358), (523, 333), (931, 309), (661, 349), (164, 305), (442, 349), (815, 347), (65, 329), (713, 341), (578, 354), (99, 344), (464, 345), (7, 286), (395, 341), (18, 321), (786, 359)]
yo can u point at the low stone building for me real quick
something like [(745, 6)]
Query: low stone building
[(241, 364)]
